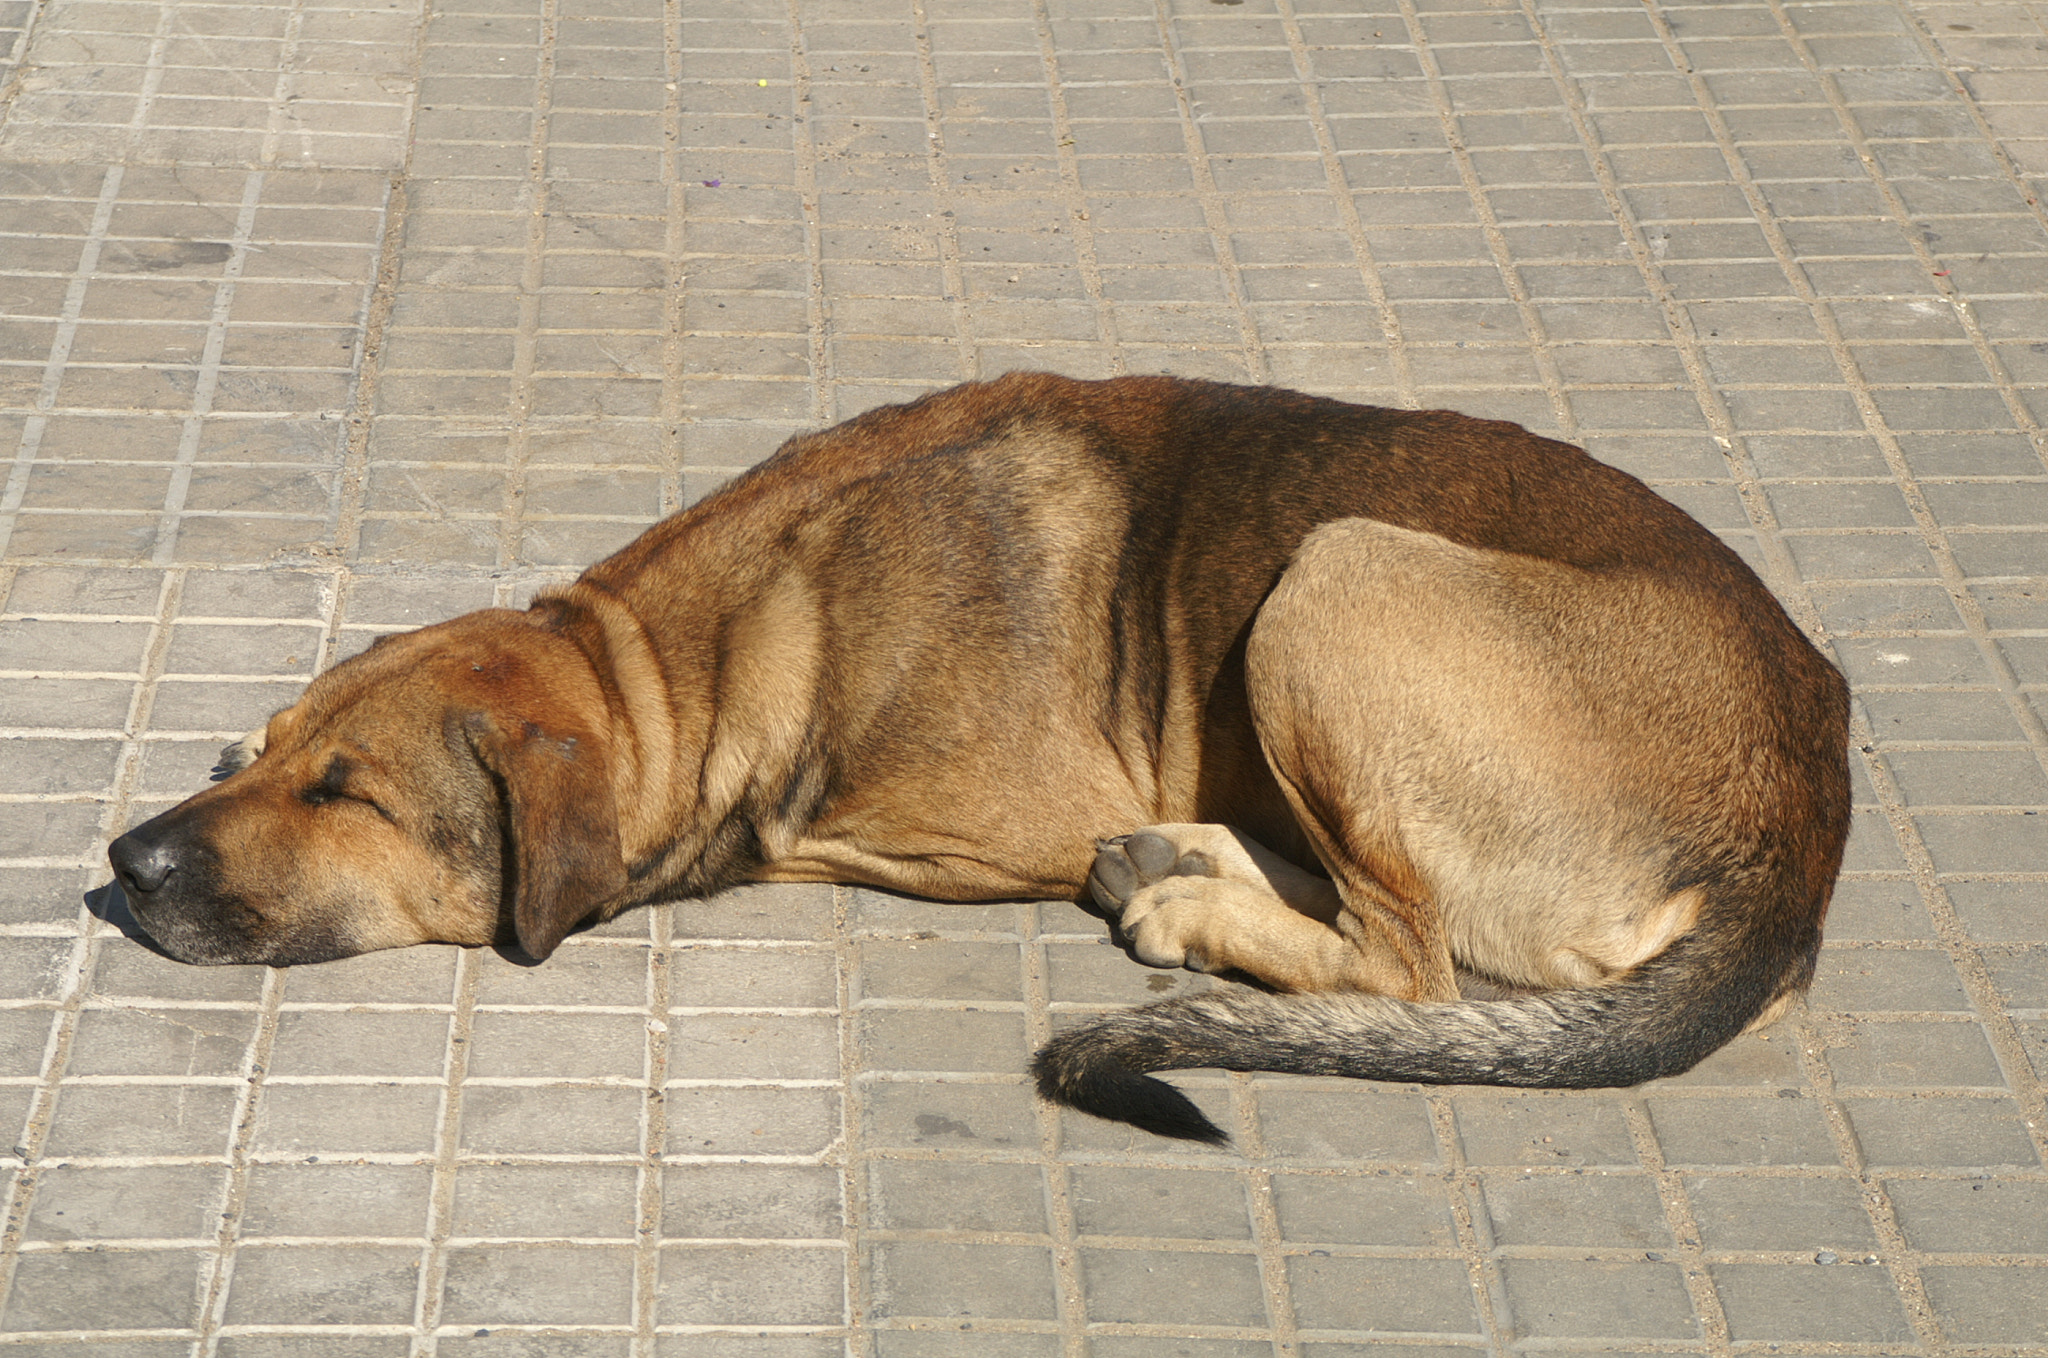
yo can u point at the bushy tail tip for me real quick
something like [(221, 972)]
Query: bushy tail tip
[(1097, 1083)]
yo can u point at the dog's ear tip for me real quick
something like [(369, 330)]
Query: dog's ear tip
[(534, 954), (537, 939)]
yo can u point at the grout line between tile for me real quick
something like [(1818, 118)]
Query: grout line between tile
[(1267, 1239), (281, 97), (207, 379), (946, 220), (1107, 330), (860, 1336), (440, 1207), (235, 1185), (1071, 1299), (675, 273), (824, 405), (1369, 268), (1677, 1207), (1893, 1250), (652, 1186), (1534, 332), (1471, 1226), (534, 196), (1215, 214)]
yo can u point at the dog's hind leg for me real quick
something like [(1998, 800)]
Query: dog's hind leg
[(1476, 744)]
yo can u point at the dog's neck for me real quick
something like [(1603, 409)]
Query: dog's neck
[(645, 748)]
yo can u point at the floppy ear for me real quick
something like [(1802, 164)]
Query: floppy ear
[(562, 821)]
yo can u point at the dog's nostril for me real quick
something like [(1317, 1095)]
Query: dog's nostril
[(141, 866)]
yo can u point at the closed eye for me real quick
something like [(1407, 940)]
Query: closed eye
[(333, 787)]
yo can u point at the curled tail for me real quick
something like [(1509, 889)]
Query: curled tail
[(1663, 1018)]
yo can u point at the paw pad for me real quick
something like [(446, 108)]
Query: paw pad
[(1129, 863)]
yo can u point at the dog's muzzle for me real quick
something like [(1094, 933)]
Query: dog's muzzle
[(164, 871)]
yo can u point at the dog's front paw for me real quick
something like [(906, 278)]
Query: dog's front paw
[(1128, 864), (240, 754), (1164, 925)]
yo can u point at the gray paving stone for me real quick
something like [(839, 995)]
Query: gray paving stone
[(151, 1202), (570, 1120), (311, 1343), (338, 1120), (977, 1281), (760, 1120), (327, 1043), (553, 1201), (719, 1285), (323, 1285), (1159, 1203), (1786, 1130), (416, 976), (1557, 1299), (1960, 1133), (942, 1040), (1869, 980), (305, 1199), (940, 1344), (1432, 1296), (1977, 1216), (1797, 1215), (1120, 1346), (24, 1039), (1980, 1305), (538, 1285), (931, 1195), (138, 1120), (1391, 1209), (1537, 1131), (753, 1201), (1599, 1211), (1162, 1287), (142, 1289), (1787, 1303), (189, 1042), (936, 969), (40, 896)]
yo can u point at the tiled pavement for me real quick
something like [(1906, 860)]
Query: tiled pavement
[(321, 319)]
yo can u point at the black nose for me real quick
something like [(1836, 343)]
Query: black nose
[(142, 864)]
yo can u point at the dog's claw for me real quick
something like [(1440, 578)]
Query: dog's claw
[(239, 754)]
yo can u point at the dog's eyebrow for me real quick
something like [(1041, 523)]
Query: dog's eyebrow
[(332, 780)]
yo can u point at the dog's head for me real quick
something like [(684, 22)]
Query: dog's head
[(451, 785)]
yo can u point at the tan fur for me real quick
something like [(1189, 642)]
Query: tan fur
[(1408, 702)]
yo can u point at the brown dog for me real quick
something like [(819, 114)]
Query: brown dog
[(1349, 701)]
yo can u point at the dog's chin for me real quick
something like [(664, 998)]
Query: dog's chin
[(202, 946)]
